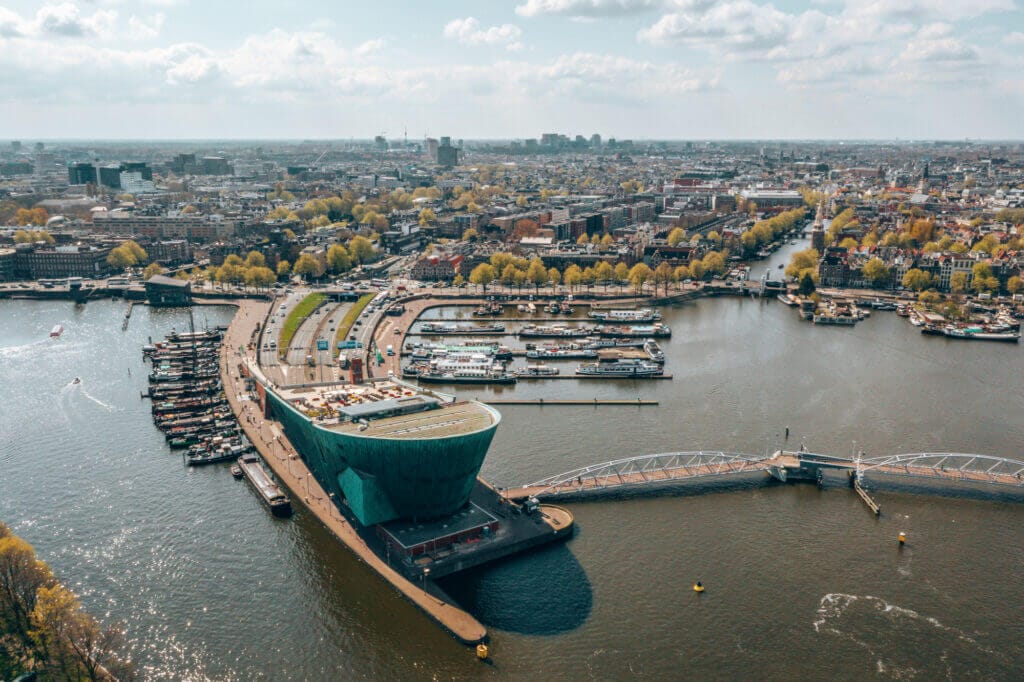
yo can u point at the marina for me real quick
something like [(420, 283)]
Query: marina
[(770, 532)]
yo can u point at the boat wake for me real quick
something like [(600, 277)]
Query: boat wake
[(17, 351), (76, 383), (901, 642)]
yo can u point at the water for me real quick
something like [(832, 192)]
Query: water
[(801, 582)]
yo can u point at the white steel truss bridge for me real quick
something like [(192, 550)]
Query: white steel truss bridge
[(664, 468)]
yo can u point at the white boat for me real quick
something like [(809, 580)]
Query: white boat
[(56, 331), (622, 367), (641, 315), (536, 371), (654, 351)]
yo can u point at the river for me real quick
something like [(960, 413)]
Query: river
[(802, 582)]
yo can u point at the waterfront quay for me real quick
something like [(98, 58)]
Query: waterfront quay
[(380, 548)]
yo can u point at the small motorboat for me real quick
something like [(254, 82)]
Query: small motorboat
[(76, 380), (236, 471)]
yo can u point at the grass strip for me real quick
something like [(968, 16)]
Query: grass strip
[(300, 312), (350, 319)]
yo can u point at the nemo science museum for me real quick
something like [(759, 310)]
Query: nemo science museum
[(402, 464)]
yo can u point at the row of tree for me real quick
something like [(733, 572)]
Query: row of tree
[(766, 231), (518, 272), (32, 236), (43, 628)]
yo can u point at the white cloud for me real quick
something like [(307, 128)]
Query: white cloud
[(1014, 38), (66, 20), (468, 31), (587, 8), (145, 29)]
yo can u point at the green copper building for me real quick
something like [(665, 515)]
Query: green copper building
[(390, 453)]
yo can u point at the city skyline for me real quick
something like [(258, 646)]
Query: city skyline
[(640, 69)]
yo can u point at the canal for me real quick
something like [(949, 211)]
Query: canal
[(801, 582)]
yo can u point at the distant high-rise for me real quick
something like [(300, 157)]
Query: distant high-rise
[(447, 155), (82, 174), (431, 145), (595, 141), (15, 146)]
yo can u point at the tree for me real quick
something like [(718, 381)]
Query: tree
[(639, 274), (876, 272), (427, 216), (309, 267), (663, 275), (537, 274), (850, 244), (470, 235), (801, 262), (604, 272), (458, 281), (714, 262), (806, 285), (929, 298), (554, 276), (482, 275), (984, 281), (283, 269), (338, 259), (714, 237), (572, 276), (916, 279), (682, 273), (151, 270), (607, 241), (508, 275), (136, 251), (255, 259), (1015, 285), (119, 258), (259, 277), (583, 239), (697, 269), (958, 282), (588, 277), (525, 227), (676, 236), (361, 249), (21, 577), (621, 273), (500, 260), (31, 216)]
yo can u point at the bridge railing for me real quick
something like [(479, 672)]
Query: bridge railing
[(646, 469)]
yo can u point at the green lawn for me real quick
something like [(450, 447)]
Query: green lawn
[(350, 319), (299, 313)]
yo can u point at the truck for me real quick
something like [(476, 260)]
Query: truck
[(309, 361)]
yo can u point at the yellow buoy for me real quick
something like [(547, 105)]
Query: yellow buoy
[(482, 652), (698, 587), (902, 537)]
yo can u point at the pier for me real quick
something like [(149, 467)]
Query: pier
[(280, 455), (595, 401)]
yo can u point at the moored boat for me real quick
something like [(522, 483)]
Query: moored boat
[(269, 491), (536, 371), (56, 331), (621, 367)]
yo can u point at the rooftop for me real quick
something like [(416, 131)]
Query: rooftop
[(387, 410)]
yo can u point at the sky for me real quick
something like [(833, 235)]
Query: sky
[(631, 69)]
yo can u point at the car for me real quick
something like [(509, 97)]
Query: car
[(397, 330)]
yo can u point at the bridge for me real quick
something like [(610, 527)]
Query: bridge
[(664, 469)]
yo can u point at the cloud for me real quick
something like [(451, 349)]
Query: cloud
[(145, 29), (468, 31), (739, 25), (1014, 38), (587, 9), (66, 20)]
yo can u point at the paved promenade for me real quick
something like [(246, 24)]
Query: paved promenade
[(280, 456)]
